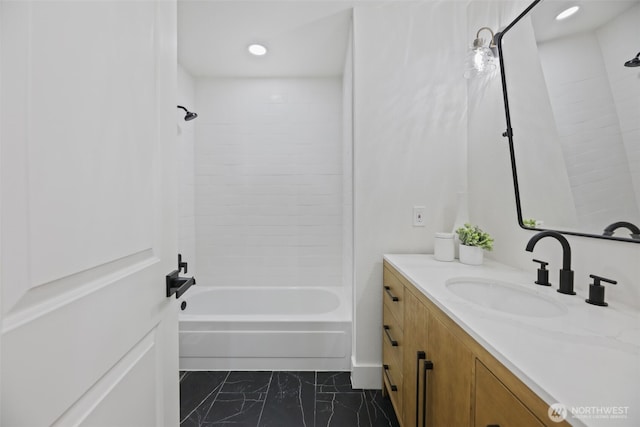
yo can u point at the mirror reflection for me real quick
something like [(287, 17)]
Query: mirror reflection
[(574, 100)]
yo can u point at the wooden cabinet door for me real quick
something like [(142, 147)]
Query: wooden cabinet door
[(416, 325), (393, 295), (449, 382), (496, 405), (392, 340)]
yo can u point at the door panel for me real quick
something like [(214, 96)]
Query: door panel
[(82, 155), (108, 402), (88, 212)]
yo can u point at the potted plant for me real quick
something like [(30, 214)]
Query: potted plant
[(531, 223), (473, 241)]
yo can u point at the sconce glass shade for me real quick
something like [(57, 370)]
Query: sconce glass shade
[(481, 59)]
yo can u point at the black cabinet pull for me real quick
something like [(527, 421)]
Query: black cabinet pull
[(393, 342), (420, 355), (394, 298), (493, 425), (428, 365), (386, 374)]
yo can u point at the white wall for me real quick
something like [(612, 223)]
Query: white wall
[(186, 177), (409, 124), (269, 181), (491, 192), (347, 166)]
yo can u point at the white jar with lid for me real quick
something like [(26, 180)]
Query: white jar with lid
[(443, 247)]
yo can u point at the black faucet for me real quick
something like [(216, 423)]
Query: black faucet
[(566, 274), (635, 231)]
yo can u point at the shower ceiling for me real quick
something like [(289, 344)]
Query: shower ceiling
[(304, 38), (592, 14)]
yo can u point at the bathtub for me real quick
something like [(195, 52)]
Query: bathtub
[(265, 328)]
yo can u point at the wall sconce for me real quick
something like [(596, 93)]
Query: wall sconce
[(481, 59)]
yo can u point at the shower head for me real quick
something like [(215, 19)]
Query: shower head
[(635, 62), (189, 114)]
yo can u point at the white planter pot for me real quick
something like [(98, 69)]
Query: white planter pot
[(472, 255)]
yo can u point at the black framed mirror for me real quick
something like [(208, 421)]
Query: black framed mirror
[(572, 107)]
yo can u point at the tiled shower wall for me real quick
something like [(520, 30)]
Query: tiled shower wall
[(186, 144), (620, 37), (269, 182), (593, 98)]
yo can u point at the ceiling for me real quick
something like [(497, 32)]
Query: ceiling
[(310, 37), (304, 38), (592, 14)]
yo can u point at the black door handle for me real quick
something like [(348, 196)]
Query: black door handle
[(176, 284)]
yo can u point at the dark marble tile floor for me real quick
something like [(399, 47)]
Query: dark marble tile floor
[(279, 399)]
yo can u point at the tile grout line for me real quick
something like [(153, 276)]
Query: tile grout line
[(366, 406), (217, 394), (204, 399), (264, 402), (338, 388)]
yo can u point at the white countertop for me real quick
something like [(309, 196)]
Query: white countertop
[(587, 358)]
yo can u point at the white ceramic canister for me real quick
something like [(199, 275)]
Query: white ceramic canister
[(444, 247)]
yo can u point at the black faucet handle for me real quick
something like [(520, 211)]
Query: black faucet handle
[(598, 279), (543, 273), (596, 290)]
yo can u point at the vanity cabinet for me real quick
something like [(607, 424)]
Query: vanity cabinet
[(393, 339), (437, 375), (496, 405), (438, 368)]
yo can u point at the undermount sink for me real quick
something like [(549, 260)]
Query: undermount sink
[(505, 297)]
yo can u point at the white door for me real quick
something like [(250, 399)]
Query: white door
[(88, 128)]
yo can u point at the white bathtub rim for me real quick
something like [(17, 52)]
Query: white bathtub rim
[(342, 313)]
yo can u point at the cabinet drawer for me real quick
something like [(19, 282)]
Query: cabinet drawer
[(496, 405), (392, 375), (392, 334), (393, 295)]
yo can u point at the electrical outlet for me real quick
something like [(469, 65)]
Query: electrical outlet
[(418, 216)]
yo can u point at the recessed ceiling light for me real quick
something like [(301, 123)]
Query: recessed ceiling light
[(567, 13), (257, 49)]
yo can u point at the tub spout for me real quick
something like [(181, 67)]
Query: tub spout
[(635, 231)]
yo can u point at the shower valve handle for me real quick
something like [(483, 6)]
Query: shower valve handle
[(182, 265)]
